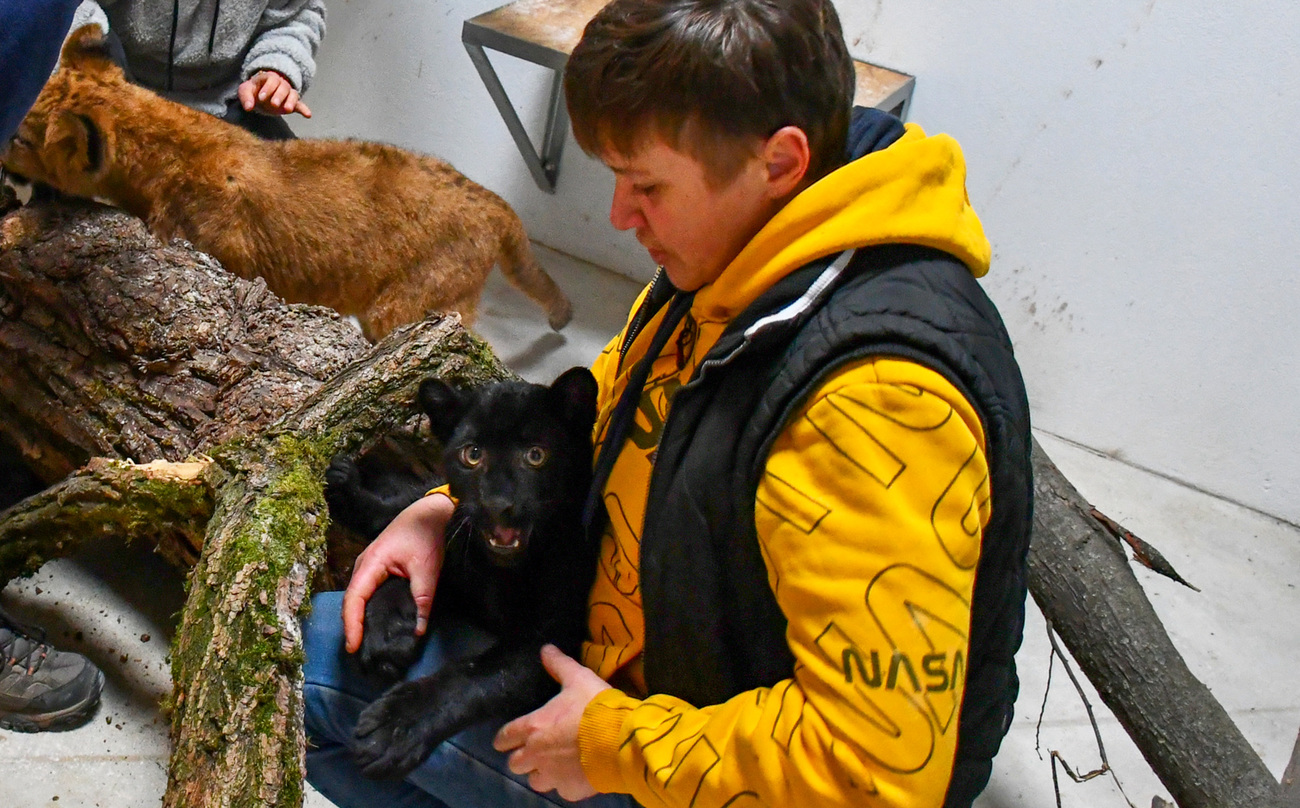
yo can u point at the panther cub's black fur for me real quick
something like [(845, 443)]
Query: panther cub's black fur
[(518, 460)]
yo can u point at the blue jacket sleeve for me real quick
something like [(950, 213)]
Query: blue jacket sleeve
[(31, 33)]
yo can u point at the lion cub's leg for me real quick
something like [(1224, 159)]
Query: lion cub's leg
[(467, 308), (520, 267), (379, 319)]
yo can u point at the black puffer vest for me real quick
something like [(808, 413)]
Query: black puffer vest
[(713, 626)]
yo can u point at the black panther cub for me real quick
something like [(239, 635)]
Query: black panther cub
[(518, 563)]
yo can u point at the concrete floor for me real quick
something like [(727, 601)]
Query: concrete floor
[(1240, 634)]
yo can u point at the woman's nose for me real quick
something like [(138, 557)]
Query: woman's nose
[(624, 213)]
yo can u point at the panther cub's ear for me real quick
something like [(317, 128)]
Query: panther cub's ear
[(445, 406), (577, 390)]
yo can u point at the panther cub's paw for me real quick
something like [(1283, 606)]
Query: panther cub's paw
[(389, 646), (394, 734), (342, 476)]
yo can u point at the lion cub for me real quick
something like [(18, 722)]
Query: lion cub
[(364, 228)]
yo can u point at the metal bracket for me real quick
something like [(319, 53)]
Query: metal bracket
[(543, 163)]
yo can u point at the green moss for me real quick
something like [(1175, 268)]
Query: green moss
[(275, 535)]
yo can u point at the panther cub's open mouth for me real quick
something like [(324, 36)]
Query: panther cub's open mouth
[(506, 538)]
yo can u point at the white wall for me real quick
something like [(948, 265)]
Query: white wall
[(1135, 163), (395, 70)]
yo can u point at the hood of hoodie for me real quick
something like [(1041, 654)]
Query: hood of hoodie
[(907, 188)]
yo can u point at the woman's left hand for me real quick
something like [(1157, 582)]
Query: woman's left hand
[(544, 743)]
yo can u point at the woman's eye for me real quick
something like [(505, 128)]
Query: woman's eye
[(471, 455), (535, 456)]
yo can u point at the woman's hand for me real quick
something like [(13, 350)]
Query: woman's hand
[(544, 743), (411, 547)]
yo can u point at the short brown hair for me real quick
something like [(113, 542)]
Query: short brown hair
[(712, 73)]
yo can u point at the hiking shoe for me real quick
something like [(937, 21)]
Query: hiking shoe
[(42, 688)]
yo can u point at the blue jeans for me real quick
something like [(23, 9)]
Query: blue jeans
[(463, 772)]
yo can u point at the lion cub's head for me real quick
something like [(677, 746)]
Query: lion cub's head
[(65, 140)]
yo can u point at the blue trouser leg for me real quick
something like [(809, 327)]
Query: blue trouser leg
[(464, 772)]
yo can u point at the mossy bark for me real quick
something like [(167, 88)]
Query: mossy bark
[(237, 659), (165, 504), (121, 348)]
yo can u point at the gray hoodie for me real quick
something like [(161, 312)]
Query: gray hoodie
[(198, 52)]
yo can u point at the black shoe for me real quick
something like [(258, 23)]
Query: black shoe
[(42, 688)]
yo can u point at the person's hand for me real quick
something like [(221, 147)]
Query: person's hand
[(544, 743), (268, 91), (411, 547)]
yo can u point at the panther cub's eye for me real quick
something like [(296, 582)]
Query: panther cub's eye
[(471, 455), (535, 456)]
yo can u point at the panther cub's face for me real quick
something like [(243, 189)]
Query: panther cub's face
[(513, 455)]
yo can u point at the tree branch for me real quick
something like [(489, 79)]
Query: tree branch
[(1081, 580), (1291, 779), (162, 503), (238, 653)]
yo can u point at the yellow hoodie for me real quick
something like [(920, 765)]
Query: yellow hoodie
[(869, 517)]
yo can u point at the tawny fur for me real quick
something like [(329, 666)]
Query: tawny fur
[(368, 229)]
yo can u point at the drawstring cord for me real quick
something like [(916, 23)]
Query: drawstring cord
[(620, 422), (212, 35), (171, 46)]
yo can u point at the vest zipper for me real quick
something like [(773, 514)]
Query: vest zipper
[(639, 319), (790, 312)]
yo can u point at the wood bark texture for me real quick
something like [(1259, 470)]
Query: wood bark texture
[(1082, 581), (121, 348), (165, 504)]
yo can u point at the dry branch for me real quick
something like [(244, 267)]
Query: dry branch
[(1291, 779), (1081, 580)]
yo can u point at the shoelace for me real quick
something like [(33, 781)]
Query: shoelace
[(19, 635)]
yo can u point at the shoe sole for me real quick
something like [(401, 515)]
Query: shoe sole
[(59, 720)]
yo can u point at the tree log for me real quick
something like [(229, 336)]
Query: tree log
[(119, 347), (131, 349), (1291, 779), (163, 503), (1081, 579)]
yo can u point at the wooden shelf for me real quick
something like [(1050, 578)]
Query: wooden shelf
[(545, 32)]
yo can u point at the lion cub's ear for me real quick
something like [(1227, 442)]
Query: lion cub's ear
[(86, 48), (77, 149)]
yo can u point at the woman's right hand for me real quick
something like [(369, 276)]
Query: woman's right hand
[(411, 547)]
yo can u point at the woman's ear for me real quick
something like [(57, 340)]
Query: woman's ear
[(787, 157)]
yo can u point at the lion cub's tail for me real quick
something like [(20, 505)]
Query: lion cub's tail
[(521, 269)]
